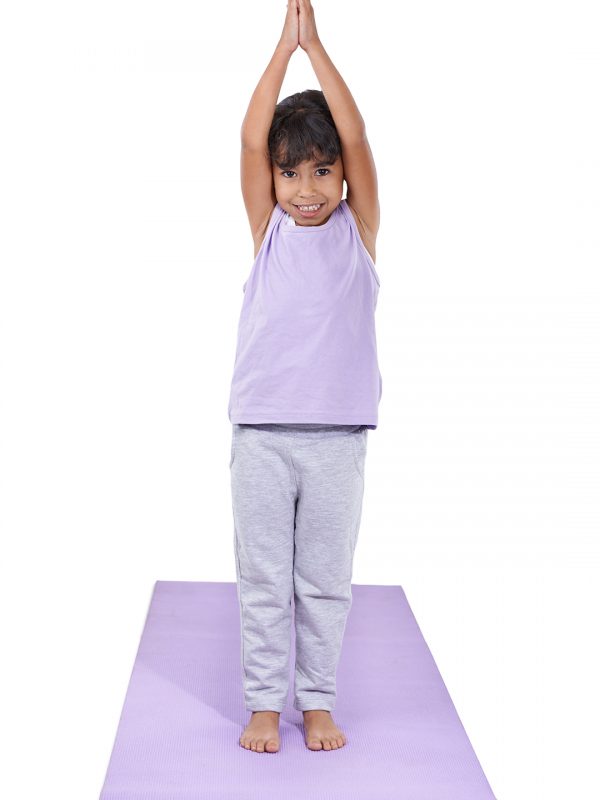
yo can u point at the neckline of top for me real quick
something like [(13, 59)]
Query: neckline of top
[(311, 228)]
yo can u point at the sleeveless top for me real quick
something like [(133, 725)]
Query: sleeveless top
[(306, 345)]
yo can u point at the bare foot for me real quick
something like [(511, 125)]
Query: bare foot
[(262, 732), (321, 731)]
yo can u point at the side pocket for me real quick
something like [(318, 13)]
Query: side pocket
[(359, 444), (232, 457)]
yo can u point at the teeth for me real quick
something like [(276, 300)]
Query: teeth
[(309, 208)]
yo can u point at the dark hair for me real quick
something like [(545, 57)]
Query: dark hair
[(303, 130)]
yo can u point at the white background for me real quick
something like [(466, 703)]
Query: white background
[(125, 245)]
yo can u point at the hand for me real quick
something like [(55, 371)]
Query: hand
[(307, 31), (289, 35)]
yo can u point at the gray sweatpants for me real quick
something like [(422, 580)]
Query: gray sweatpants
[(297, 492)]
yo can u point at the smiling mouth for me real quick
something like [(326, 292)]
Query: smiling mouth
[(312, 207)]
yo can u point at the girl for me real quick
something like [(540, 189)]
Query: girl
[(306, 385)]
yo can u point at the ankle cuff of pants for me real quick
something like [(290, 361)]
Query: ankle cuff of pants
[(315, 705)]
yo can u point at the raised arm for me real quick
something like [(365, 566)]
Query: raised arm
[(360, 173), (255, 164)]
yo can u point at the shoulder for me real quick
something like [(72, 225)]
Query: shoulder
[(368, 238)]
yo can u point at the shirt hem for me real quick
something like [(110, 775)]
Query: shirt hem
[(251, 418)]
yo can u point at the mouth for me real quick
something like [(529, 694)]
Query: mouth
[(310, 210)]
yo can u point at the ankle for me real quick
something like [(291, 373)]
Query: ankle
[(272, 713)]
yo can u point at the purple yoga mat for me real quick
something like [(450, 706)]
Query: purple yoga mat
[(178, 735)]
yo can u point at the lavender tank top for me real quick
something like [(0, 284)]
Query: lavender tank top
[(306, 345)]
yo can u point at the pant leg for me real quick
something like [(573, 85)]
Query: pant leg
[(263, 499), (329, 468)]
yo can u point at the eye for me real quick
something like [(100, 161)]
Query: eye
[(291, 171)]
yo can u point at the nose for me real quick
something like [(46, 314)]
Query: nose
[(307, 191)]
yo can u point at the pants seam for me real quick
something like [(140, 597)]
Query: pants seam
[(237, 556)]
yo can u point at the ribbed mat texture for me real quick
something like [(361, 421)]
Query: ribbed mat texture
[(178, 735)]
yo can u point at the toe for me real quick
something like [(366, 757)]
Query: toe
[(260, 746), (272, 746), (326, 744)]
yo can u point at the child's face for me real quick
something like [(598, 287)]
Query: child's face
[(309, 183)]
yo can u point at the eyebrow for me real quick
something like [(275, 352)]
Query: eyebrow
[(321, 164)]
